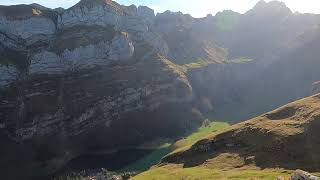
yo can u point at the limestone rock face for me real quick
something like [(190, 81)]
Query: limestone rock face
[(146, 13), (31, 24), (121, 48), (75, 80), (91, 14), (186, 44), (11, 41), (168, 21), (28, 29), (8, 75), (104, 76), (220, 86), (109, 13), (92, 108), (104, 103), (83, 57)]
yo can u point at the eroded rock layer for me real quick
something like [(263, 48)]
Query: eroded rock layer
[(89, 78)]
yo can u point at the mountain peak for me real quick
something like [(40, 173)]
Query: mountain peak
[(272, 7), (38, 6), (21, 11), (91, 3), (261, 3), (85, 2)]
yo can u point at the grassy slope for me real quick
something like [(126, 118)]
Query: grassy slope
[(146, 162), (167, 147), (177, 172), (200, 134), (281, 124)]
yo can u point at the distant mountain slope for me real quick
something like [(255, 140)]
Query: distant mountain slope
[(283, 46), (101, 75), (265, 31), (185, 45)]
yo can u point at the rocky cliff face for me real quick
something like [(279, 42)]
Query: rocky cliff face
[(185, 43), (28, 22), (106, 13), (269, 29), (45, 104), (100, 75), (220, 86), (281, 44), (88, 78)]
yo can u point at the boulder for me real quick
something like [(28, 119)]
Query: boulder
[(302, 175)]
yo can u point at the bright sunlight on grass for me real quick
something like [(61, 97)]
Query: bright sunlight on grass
[(167, 147), (201, 133), (177, 172)]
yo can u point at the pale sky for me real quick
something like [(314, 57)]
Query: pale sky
[(197, 8)]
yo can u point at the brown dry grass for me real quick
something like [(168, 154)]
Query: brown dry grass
[(286, 137), (269, 146)]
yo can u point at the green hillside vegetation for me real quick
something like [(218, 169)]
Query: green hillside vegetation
[(168, 146), (177, 172), (150, 160), (199, 63), (201, 133), (240, 151)]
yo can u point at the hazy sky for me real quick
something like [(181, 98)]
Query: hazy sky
[(196, 8)]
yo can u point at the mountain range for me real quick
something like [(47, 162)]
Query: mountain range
[(103, 76)]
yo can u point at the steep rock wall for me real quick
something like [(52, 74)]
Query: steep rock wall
[(106, 13), (84, 82)]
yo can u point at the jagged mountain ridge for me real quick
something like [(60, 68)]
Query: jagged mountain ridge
[(100, 66)]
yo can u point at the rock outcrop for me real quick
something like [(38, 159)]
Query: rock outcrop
[(219, 86), (146, 13), (184, 42), (302, 175), (83, 57), (31, 23), (106, 13)]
